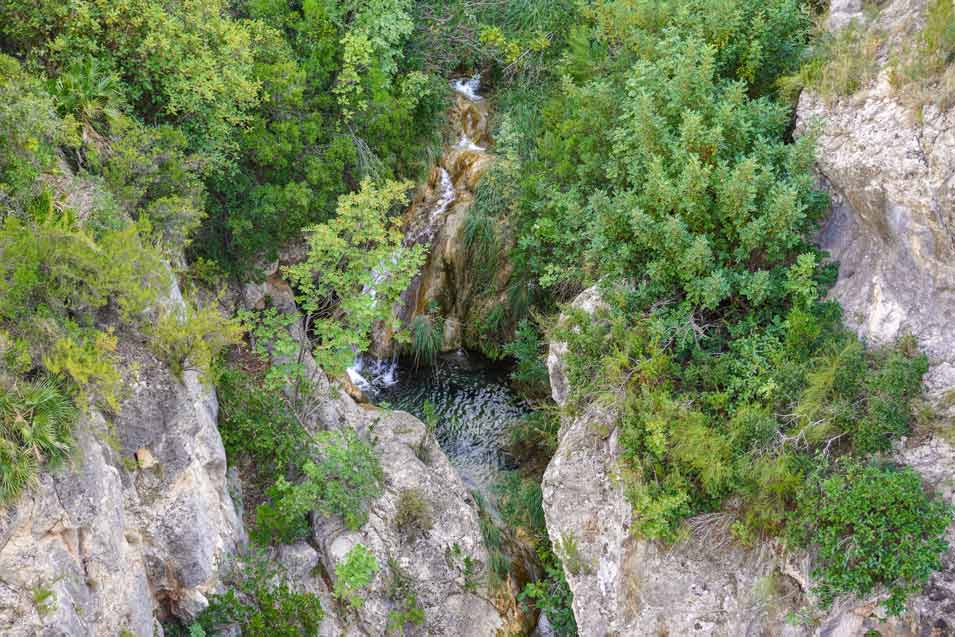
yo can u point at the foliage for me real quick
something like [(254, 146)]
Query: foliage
[(354, 572), (356, 268), (256, 425), (344, 476), (530, 372), (842, 62), (400, 592), (521, 507), (262, 601), (925, 72), (191, 337), (553, 597), (859, 517), (30, 130), (427, 337), (414, 517), (35, 429)]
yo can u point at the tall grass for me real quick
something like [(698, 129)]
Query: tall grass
[(426, 340)]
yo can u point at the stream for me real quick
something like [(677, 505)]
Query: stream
[(472, 402)]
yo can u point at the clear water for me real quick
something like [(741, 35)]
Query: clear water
[(475, 409)]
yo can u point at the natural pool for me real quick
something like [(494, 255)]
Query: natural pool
[(473, 406)]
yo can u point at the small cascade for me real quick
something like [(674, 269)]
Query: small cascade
[(436, 216), (373, 374), (468, 87)]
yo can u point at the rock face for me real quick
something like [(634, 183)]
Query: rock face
[(136, 527), (891, 173), (443, 568)]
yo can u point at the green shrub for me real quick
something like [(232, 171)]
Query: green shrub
[(36, 420), (30, 130), (191, 337), (341, 480), (530, 372), (261, 600), (359, 249), (353, 573), (257, 426), (414, 517), (874, 526)]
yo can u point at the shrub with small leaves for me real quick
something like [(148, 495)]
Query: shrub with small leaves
[(874, 527), (341, 480), (414, 517), (356, 571), (261, 600)]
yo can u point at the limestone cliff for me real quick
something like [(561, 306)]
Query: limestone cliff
[(136, 527)]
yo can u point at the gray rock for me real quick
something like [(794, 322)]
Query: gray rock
[(454, 603), (136, 526), (891, 175)]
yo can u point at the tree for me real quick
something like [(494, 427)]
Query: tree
[(356, 269)]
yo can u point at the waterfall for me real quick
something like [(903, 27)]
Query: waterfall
[(468, 87), (369, 374), (434, 220)]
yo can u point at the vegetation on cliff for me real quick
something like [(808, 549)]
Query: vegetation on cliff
[(645, 147)]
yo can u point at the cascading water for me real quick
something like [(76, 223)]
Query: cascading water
[(473, 403)]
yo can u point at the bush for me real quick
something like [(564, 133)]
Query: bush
[(261, 600), (359, 250), (36, 421), (191, 337), (344, 476), (414, 517), (874, 526), (356, 571), (257, 427)]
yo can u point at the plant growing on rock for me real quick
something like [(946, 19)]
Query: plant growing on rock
[(353, 573), (342, 479), (414, 517), (261, 601), (36, 419), (401, 593), (874, 526)]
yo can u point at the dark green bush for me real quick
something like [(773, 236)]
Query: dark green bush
[(873, 526), (263, 602), (257, 426), (341, 480)]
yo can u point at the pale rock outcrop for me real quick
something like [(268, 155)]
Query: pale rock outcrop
[(455, 598), (891, 175), (136, 527)]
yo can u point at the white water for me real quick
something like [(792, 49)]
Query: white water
[(468, 87), (445, 198), (373, 373), (466, 143)]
